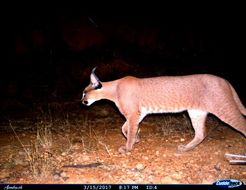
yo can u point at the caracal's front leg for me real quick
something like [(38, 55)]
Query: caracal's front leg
[(130, 131), (124, 132), (124, 129)]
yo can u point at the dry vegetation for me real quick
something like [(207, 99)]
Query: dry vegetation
[(66, 143)]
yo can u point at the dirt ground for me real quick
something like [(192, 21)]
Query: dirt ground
[(67, 143)]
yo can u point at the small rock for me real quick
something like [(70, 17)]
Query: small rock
[(4, 174), (218, 166), (216, 153), (63, 174), (145, 157), (182, 140), (19, 162), (140, 166), (22, 153), (177, 154), (64, 154), (124, 165), (177, 175), (169, 180), (86, 158), (207, 181), (128, 172), (140, 180), (56, 176)]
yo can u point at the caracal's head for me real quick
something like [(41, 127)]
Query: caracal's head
[(92, 92)]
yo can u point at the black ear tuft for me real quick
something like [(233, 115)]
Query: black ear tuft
[(99, 85), (93, 70)]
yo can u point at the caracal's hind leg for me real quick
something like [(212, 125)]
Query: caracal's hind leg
[(198, 119), (234, 118)]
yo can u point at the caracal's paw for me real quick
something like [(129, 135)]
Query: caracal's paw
[(182, 148), (123, 150)]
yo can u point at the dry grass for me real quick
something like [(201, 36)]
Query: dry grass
[(44, 153), (84, 134), (38, 153), (89, 138), (94, 136)]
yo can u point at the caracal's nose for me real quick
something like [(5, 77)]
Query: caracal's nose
[(84, 102)]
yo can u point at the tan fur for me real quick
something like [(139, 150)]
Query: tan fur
[(198, 94)]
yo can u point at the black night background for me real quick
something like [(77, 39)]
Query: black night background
[(48, 62), (50, 57)]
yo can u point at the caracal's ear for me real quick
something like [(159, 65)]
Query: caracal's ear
[(95, 82)]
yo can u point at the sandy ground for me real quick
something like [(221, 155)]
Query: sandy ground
[(72, 144)]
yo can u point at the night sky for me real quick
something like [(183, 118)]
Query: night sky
[(49, 58)]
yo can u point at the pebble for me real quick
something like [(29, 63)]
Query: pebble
[(63, 174), (140, 166), (86, 158), (177, 176), (216, 153), (56, 176), (145, 157), (124, 165), (22, 153), (19, 162), (218, 166), (177, 154), (64, 154)]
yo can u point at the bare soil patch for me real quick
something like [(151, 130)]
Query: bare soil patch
[(66, 143)]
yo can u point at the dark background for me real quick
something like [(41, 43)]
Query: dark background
[(49, 57)]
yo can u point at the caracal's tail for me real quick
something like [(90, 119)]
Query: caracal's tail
[(232, 111), (238, 101)]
